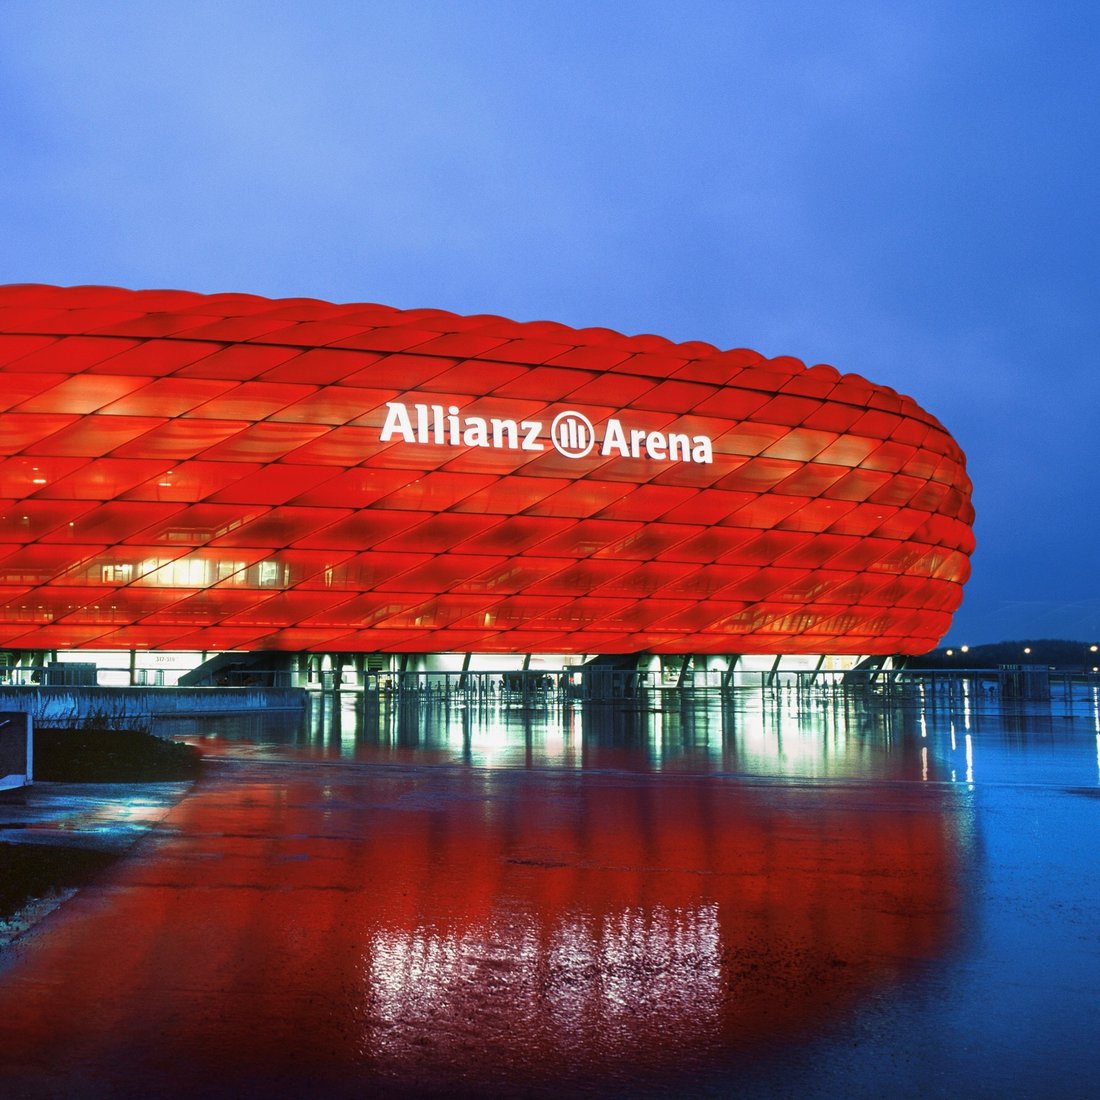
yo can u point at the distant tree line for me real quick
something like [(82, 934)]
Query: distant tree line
[(1051, 652)]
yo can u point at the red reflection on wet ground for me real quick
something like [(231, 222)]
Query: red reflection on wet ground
[(331, 926)]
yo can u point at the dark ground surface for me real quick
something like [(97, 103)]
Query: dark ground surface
[(34, 871), (775, 898)]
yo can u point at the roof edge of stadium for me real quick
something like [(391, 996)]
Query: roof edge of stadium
[(96, 297)]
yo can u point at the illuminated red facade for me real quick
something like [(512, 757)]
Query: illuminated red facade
[(232, 472)]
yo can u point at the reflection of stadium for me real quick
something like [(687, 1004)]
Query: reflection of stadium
[(754, 926), (198, 473), (453, 924)]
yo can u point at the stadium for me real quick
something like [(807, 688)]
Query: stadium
[(196, 474)]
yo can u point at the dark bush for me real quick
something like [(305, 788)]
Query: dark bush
[(94, 755)]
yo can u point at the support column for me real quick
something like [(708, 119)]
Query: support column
[(731, 668), (774, 669), (687, 661)]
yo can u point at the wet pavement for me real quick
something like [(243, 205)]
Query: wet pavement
[(107, 817), (787, 895)]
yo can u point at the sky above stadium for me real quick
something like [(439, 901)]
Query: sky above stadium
[(905, 192)]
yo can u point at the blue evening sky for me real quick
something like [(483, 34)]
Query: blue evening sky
[(908, 192)]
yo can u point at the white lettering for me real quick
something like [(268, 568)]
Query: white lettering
[(702, 450), (397, 420), (678, 447), (571, 433), (476, 433), (614, 440), (502, 428), (530, 439), (655, 446)]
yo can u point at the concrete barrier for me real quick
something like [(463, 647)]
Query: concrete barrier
[(50, 705)]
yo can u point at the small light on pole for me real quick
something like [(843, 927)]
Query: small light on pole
[(1027, 649)]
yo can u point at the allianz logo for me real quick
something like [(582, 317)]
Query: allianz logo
[(570, 433)]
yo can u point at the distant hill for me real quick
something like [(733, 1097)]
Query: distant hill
[(1052, 652)]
